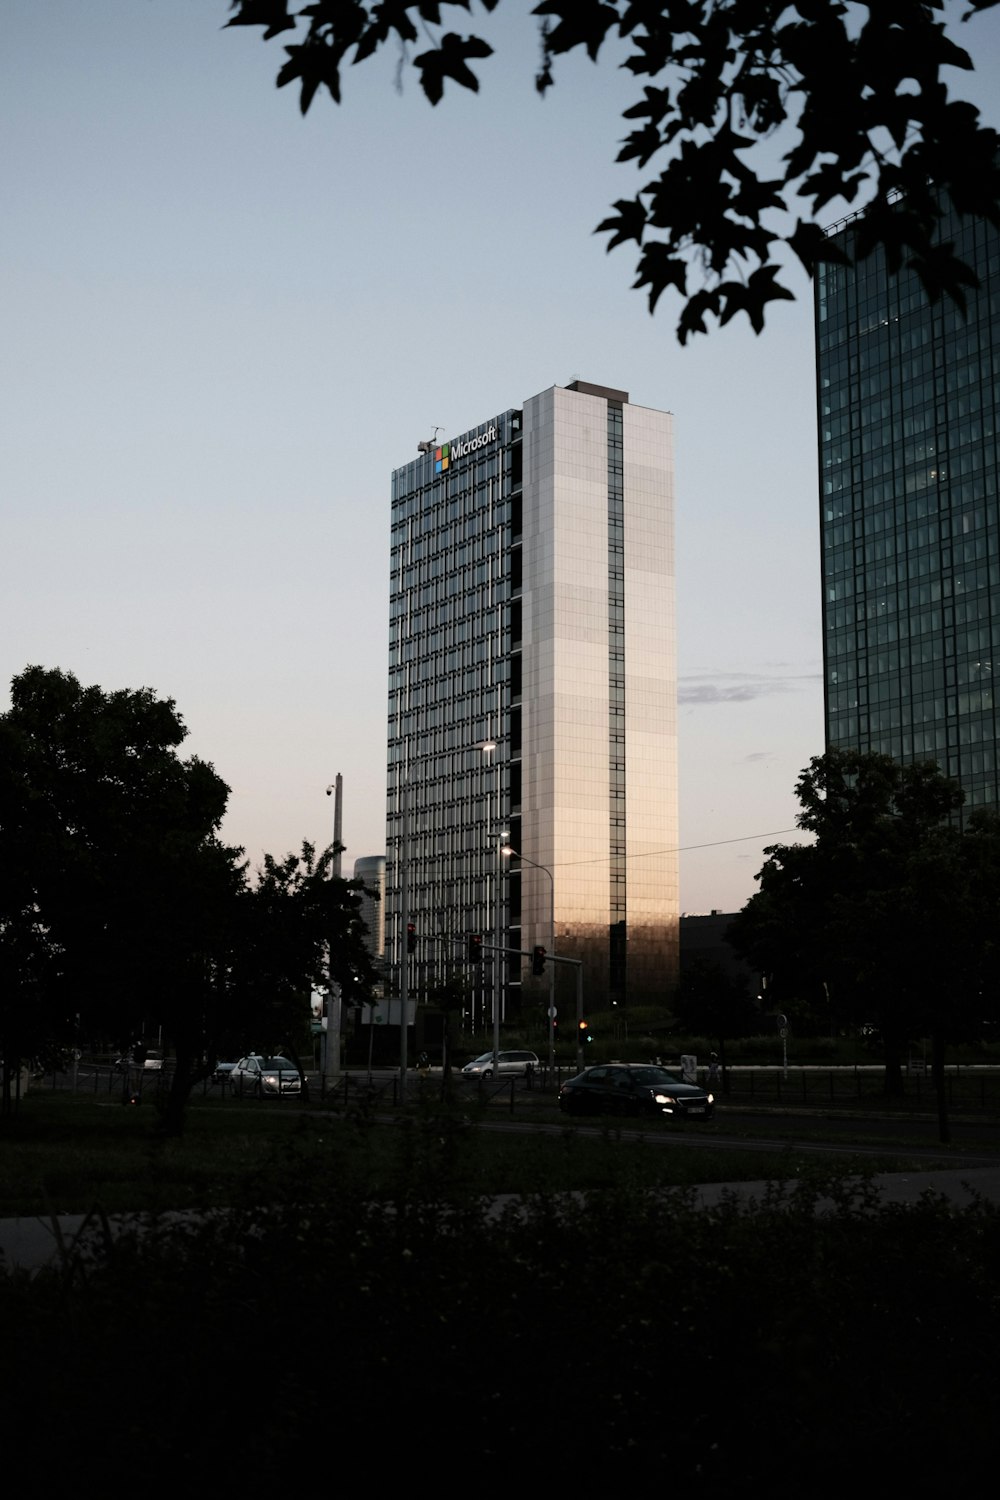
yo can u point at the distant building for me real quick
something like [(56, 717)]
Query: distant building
[(371, 869), (908, 421), (532, 695)]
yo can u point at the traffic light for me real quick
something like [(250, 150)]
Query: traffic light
[(584, 1030), (475, 948), (538, 960), (411, 937)]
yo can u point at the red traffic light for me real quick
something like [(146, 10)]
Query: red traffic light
[(411, 937), (538, 960), (475, 948)]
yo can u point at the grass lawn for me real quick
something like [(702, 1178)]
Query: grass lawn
[(63, 1154), (732, 1346)]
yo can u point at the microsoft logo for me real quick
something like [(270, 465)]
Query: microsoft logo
[(461, 449)]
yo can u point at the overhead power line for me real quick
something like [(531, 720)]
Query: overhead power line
[(746, 838)]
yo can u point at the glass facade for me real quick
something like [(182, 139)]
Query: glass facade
[(532, 701), (910, 526), (371, 869)]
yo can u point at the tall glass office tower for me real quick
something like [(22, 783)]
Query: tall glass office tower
[(532, 699), (371, 869), (908, 399)]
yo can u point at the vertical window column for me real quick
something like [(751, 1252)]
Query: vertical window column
[(616, 702)]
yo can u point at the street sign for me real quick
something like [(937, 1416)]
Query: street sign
[(552, 1012)]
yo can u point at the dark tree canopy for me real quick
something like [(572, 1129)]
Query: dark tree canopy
[(113, 872), (121, 907), (714, 1001), (854, 91), (892, 915), (296, 929)]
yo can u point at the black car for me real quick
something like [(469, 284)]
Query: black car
[(634, 1089)]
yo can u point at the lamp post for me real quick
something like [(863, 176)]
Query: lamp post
[(551, 951)]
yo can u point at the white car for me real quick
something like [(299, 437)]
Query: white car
[(254, 1076), (518, 1064)]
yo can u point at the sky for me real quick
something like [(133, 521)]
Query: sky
[(225, 325)]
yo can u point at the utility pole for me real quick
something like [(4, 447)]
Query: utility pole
[(331, 1058)]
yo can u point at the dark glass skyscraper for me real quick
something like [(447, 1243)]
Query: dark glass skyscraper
[(908, 396), (532, 697)]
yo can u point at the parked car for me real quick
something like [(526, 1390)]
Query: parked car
[(223, 1072), (518, 1064), (150, 1060), (635, 1089), (256, 1076)]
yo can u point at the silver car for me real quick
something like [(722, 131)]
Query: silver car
[(516, 1064), (152, 1061), (257, 1076)]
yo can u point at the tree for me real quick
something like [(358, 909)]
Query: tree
[(715, 1002), (451, 996), (266, 943), (116, 884), (298, 929), (855, 91), (111, 860), (891, 913), (122, 909)]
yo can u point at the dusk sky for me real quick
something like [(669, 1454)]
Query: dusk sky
[(224, 325)]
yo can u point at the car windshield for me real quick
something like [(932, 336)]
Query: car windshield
[(486, 1057), (653, 1075), (278, 1064)]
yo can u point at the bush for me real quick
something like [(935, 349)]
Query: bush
[(766, 1346)]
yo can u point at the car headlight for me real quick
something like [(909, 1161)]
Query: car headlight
[(270, 1077), (711, 1098), (664, 1098)]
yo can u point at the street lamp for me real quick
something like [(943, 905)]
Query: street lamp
[(552, 948)]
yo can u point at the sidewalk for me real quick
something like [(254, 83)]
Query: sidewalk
[(29, 1243), (962, 1185)]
